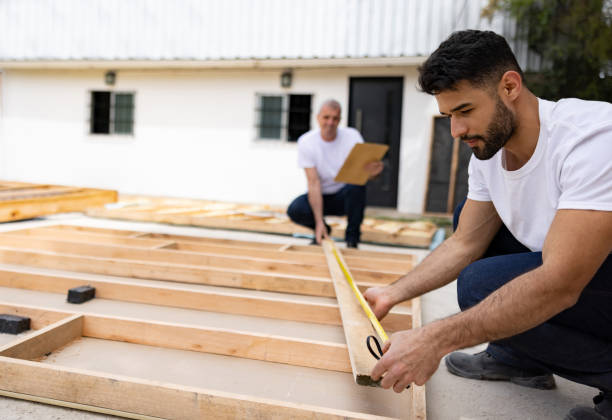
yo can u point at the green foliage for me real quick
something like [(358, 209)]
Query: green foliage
[(574, 40)]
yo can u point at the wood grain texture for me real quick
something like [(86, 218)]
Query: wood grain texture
[(285, 307), (150, 398), (45, 340), (357, 326)]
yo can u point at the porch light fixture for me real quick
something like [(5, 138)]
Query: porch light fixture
[(286, 78), (110, 77)]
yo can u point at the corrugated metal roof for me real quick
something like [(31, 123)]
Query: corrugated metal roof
[(230, 29)]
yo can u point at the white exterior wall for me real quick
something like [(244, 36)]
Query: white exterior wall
[(194, 133)]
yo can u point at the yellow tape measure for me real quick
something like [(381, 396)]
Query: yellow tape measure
[(364, 304)]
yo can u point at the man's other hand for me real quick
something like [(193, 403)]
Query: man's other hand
[(320, 232), (379, 300), (374, 168), (409, 356)]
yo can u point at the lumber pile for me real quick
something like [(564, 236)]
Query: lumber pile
[(241, 313), (257, 218), (20, 200)]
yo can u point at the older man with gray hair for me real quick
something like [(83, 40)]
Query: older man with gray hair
[(321, 153)]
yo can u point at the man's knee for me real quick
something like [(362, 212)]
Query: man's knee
[(479, 279), (470, 288), (356, 191), (298, 209)]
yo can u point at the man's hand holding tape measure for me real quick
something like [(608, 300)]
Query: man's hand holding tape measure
[(408, 356)]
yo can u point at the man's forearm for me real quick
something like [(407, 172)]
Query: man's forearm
[(521, 304), (315, 198)]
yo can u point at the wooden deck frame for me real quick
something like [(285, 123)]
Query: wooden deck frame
[(57, 384), (218, 215), (20, 201), (24, 378), (40, 248)]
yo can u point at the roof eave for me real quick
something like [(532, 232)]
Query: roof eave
[(212, 64)]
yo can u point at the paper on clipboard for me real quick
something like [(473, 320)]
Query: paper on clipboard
[(352, 171)]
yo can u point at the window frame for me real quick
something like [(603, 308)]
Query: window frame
[(111, 120), (284, 136)]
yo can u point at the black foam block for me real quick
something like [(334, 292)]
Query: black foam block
[(81, 294), (13, 324)]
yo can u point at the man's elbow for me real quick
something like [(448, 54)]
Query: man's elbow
[(569, 285)]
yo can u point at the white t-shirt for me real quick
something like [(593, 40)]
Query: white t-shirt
[(571, 168), (327, 157)]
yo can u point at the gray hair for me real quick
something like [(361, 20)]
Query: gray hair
[(330, 103)]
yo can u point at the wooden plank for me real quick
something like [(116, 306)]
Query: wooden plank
[(358, 259), (11, 210), (310, 249), (233, 263), (52, 233), (370, 260), (151, 398), (268, 348), (357, 326), (419, 406), (37, 192), (76, 406), (315, 286), (285, 308), (39, 318), (45, 340)]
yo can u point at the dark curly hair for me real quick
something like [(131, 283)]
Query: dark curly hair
[(479, 57)]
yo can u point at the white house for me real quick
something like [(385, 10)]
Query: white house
[(204, 99)]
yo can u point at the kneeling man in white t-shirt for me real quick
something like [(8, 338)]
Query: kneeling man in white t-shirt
[(322, 153), (531, 249)]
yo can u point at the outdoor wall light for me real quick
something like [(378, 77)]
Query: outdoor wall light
[(285, 79), (110, 77)]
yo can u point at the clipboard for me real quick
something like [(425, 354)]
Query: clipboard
[(352, 170)]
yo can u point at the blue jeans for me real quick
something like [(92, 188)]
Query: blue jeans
[(349, 201), (575, 344)]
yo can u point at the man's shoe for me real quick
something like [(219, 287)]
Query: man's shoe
[(483, 366), (601, 411), (351, 244)]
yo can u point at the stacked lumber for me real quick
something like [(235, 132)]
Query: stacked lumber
[(20, 200), (257, 218), (289, 286)]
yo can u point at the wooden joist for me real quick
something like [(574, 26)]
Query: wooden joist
[(20, 201)]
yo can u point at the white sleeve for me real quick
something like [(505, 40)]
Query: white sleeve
[(477, 188), (305, 156), (586, 173)]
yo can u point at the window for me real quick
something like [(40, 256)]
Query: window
[(283, 117), (112, 113)]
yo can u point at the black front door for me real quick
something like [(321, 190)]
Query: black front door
[(375, 109)]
